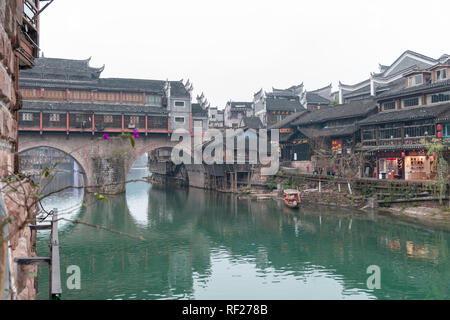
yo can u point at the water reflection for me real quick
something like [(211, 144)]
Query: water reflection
[(203, 245), (68, 202)]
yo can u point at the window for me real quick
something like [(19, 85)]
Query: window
[(27, 116), (80, 95), (107, 119), (153, 100), (440, 97), (369, 134), (54, 94), (415, 80), (54, 117), (389, 105), (132, 98), (419, 131), (134, 119), (390, 133), (179, 103), (411, 102), (441, 74), (179, 119)]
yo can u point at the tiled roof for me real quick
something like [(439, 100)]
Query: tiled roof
[(198, 111), (273, 104), (64, 106), (312, 97), (77, 74), (414, 113), (62, 69), (401, 90), (286, 122), (329, 132), (238, 104), (252, 122), (349, 110)]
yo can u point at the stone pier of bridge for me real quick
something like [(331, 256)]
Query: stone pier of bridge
[(105, 163)]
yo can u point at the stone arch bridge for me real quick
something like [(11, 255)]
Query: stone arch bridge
[(104, 162)]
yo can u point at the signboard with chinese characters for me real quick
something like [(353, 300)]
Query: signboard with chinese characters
[(336, 146)]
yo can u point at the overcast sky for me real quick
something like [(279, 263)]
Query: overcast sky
[(230, 49)]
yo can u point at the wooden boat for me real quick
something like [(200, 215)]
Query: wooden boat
[(291, 198)]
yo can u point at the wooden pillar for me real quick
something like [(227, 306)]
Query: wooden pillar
[(146, 124), (121, 97), (93, 123), (123, 123), (67, 122), (143, 97), (402, 133), (40, 122)]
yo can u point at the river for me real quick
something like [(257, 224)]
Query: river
[(206, 245)]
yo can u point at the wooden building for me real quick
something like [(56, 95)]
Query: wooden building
[(69, 95), (416, 110)]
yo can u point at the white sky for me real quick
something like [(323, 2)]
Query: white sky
[(230, 49)]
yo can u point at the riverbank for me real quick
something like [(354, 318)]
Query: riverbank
[(428, 213)]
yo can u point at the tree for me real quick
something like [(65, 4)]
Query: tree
[(436, 149)]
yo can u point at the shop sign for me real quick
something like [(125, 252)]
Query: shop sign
[(336, 146), (390, 154)]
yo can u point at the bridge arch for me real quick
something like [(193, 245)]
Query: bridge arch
[(80, 164), (26, 144), (142, 147), (96, 156)]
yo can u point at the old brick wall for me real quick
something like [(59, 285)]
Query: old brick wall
[(10, 13), (21, 244)]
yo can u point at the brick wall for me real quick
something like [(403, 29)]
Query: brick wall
[(21, 244), (10, 13)]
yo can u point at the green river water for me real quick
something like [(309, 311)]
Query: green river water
[(205, 245)]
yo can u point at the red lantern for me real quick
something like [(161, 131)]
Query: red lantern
[(439, 134), (284, 195), (439, 127), (403, 155)]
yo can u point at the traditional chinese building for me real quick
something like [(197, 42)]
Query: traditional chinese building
[(382, 81), (272, 107), (416, 110), (334, 130), (235, 111), (69, 95), (319, 98), (215, 117)]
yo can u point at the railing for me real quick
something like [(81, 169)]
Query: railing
[(55, 289), (93, 123)]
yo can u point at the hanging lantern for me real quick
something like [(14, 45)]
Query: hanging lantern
[(403, 155), (439, 134), (439, 127)]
